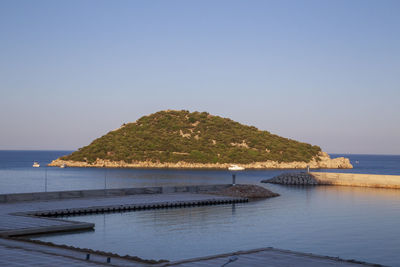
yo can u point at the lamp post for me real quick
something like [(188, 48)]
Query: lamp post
[(105, 178), (235, 168), (45, 179)]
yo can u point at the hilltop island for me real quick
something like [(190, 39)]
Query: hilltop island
[(181, 139)]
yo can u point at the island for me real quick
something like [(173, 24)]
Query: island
[(183, 139)]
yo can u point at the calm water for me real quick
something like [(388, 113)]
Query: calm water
[(17, 174), (353, 223), (349, 222)]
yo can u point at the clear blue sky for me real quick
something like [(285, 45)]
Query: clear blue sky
[(323, 72)]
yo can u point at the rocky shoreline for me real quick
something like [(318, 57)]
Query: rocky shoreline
[(323, 162)]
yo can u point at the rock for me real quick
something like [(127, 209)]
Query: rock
[(247, 191), (300, 178)]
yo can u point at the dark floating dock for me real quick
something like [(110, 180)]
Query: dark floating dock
[(19, 215)]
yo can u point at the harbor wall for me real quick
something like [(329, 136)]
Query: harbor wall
[(8, 198), (355, 179)]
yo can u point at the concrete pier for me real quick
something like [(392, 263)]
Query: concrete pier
[(333, 178), (356, 179)]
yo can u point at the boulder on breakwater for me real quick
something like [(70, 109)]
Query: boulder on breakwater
[(293, 178)]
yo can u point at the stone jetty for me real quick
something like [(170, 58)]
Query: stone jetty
[(333, 178)]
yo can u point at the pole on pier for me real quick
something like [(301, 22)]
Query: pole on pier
[(105, 178), (233, 179), (45, 179)]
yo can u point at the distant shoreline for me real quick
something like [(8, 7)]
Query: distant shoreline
[(324, 163)]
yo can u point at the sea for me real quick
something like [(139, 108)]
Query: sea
[(347, 222)]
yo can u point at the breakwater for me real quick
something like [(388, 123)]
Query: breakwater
[(331, 178), (355, 179)]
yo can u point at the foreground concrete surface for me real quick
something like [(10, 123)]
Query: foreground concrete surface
[(355, 179), (16, 253), (21, 253), (267, 257)]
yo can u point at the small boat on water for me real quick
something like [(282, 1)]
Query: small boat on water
[(36, 164), (235, 168), (63, 165)]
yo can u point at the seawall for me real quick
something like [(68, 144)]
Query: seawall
[(331, 178), (355, 179)]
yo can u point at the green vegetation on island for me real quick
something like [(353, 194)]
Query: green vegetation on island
[(197, 137)]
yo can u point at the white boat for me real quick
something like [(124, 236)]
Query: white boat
[(63, 165), (36, 164), (235, 168)]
